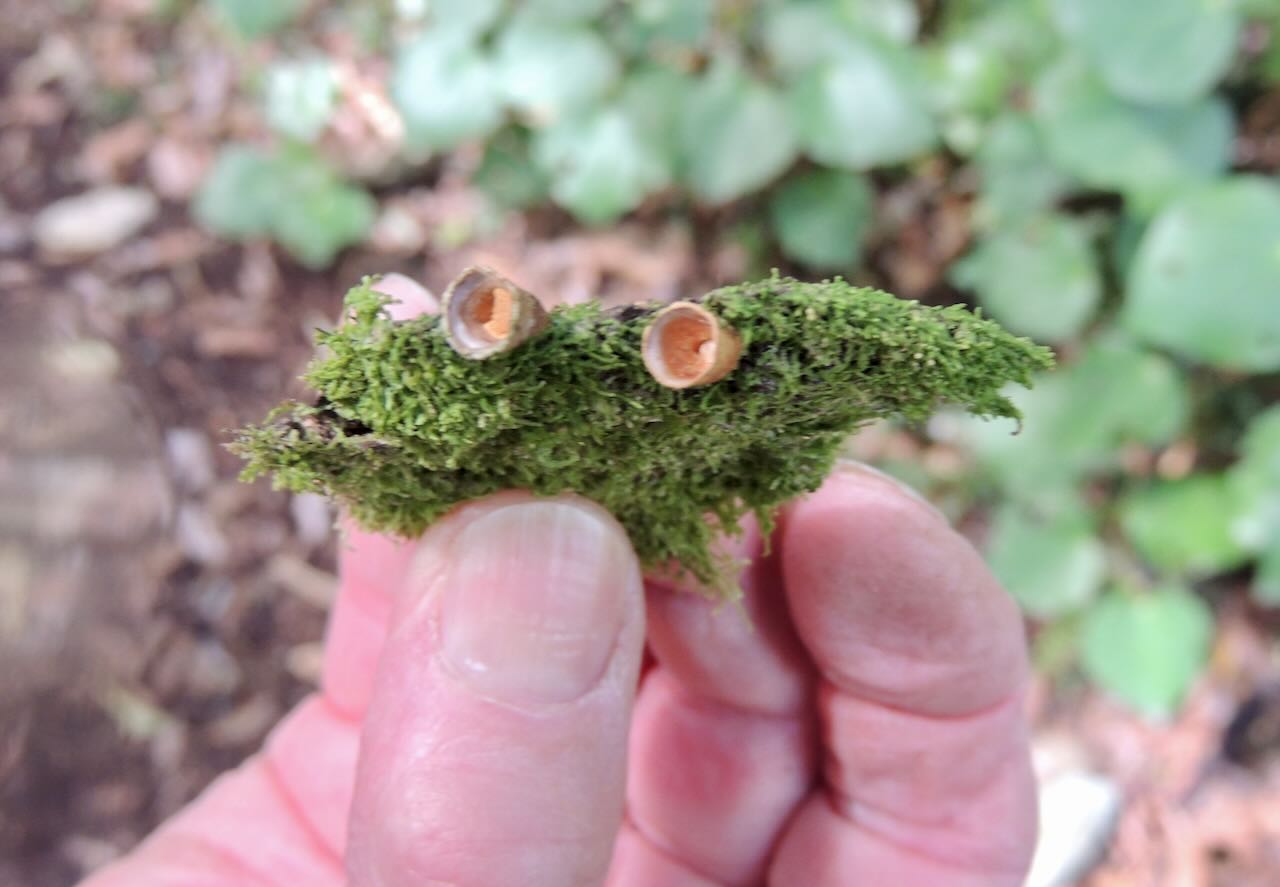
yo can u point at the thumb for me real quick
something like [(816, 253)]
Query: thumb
[(494, 748)]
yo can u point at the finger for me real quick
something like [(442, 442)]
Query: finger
[(893, 605), (712, 786), (722, 747), (411, 298), (746, 656), (637, 863), (371, 565), (494, 744), (923, 663), (269, 823)]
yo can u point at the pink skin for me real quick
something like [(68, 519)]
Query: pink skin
[(867, 730)]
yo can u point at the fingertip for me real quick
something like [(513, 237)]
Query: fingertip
[(894, 603), (411, 298)]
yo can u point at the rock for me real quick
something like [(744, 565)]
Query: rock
[(211, 671), (1079, 812), (244, 725), (200, 537), (95, 221), (312, 519), (306, 662), (303, 581), (190, 458)]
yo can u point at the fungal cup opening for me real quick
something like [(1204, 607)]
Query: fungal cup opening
[(687, 345), (485, 314)]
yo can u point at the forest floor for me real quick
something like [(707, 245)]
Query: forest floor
[(157, 616)]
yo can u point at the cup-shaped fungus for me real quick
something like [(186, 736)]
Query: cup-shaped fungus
[(686, 346), (485, 314)]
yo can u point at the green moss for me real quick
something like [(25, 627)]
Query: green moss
[(405, 428)]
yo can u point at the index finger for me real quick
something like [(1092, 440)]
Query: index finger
[(371, 565)]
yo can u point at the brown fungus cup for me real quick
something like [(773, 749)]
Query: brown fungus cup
[(484, 314), (686, 346)]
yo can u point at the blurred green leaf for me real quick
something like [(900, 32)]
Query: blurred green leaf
[(653, 97), (1149, 153), (291, 196), (563, 10), (1077, 418), (447, 92), (507, 175), (251, 19), (324, 217), (600, 165), (965, 76), (1021, 33), (1052, 563), (1017, 178), (800, 35), (1260, 446), (240, 195), (1183, 526), (1255, 484), (821, 217), (868, 107), (1147, 647), (896, 20), (1206, 280), (465, 18), (650, 23), (1038, 279), (549, 70), (1160, 51), (300, 97), (735, 136), (1266, 580), (797, 36)]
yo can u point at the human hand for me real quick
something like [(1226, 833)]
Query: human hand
[(863, 724)]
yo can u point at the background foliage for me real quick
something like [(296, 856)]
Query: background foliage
[(1119, 209)]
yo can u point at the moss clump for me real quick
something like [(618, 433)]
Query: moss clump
[(405, 428)]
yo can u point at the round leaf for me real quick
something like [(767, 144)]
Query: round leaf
[(1206, 279), (735, 136), (506, 175), (257, 18), (1266, 579), (601, 166), (1153, 50), (239, 196), (866, 108), (1017, 178), (549, 70), (1077, 419), (1147, 648), (650, 23), (563, 10), (300, 97), (446, 91), (896, 20), (822, 216), (323, 218), (464, 17), (1183, 526), (1051, 565), (1147, 152), (653, 97), (1039, 280), (796, 36)]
